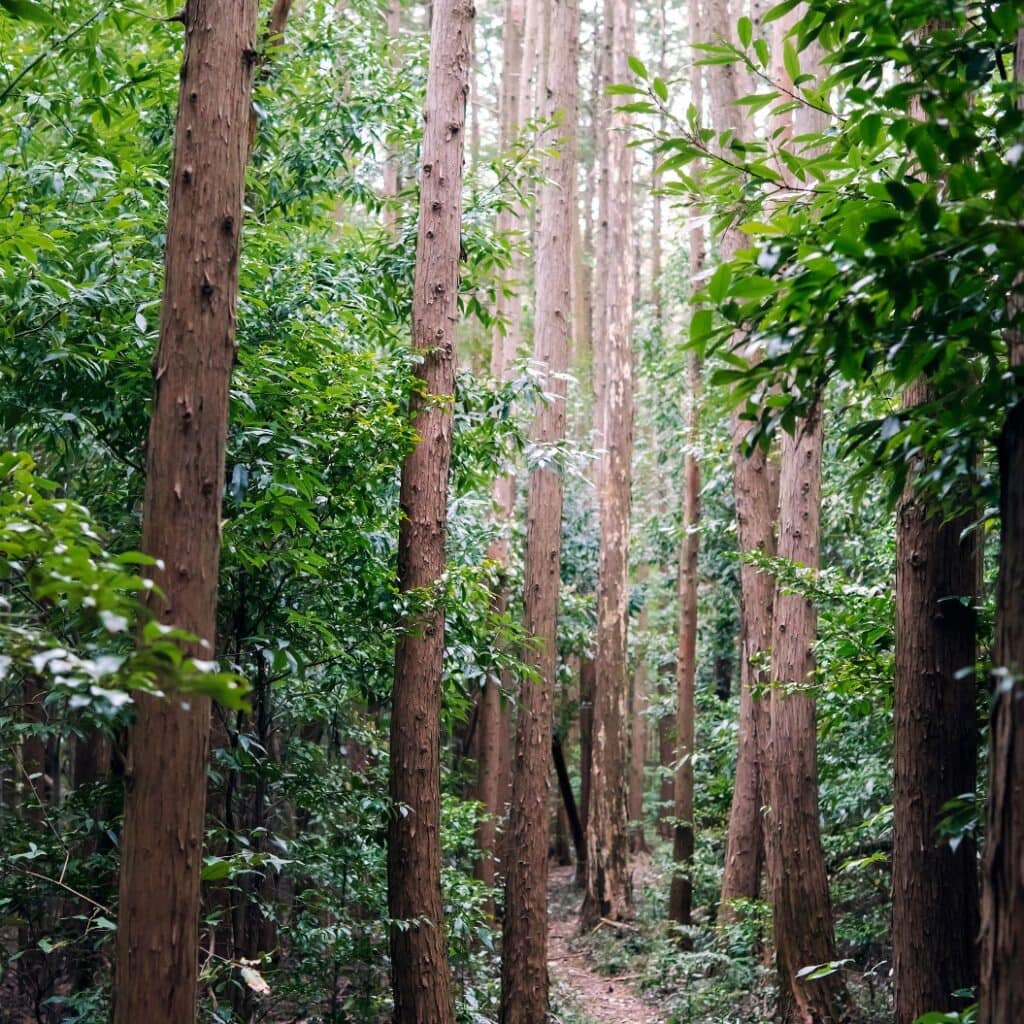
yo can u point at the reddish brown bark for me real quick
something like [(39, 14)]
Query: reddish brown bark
[(419, 963), (609, 890), (681, 892), (638, 736), (157, 936), (1002, 908), (494, 774), (586, 757), (938, 571), (524, 969), (1002, 915), (801, 906)]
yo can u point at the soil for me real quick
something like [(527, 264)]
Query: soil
[(603, 998)]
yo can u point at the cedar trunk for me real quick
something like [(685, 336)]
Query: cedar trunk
[(1002, 907), (755, 490), (638, 735), (494, 760), (524, 967), (587, 674), (801, 907), (938, 571), (680, 901), (419, 961), (608, 881), (162, 841)]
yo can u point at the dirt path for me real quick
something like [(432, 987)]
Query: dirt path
[(604, 999)]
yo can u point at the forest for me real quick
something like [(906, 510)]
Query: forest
[(512, 514)]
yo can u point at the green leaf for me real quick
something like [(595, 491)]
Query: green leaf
[(637, 66), (660, 89), (26, 10), (745, 30), (718, 286), (791, 60), (870, 128), (700, 325), (779, 11)]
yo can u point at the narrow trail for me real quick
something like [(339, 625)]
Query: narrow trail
[(603, 998)]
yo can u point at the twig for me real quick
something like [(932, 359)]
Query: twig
[(63, 885)]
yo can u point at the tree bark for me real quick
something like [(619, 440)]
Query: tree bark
[(568, 800), (681, 891), (1002, 907), (934, 753), (524, 968), (755, 491), (494, 764), (801, 906), (419, 961), (162, 840), (586, 759), (392, 160), (638, 735), (609, 890)]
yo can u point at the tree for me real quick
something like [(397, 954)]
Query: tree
[(504, 347), (1002, 908), (938, 572), (419, 961), (524, 967), (681, 893), (756, 497), (608, 891), (157, 936), (638, 732)]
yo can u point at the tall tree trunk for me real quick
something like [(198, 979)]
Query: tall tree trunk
[(524, 977), (608, 881), (680, 898), (756, 496), (157, 935), (638, 734), (392, 160), (587, 674), (934, 752), (801, 907), (681, 891), (419, 961), (1002, 908), (494, 764)]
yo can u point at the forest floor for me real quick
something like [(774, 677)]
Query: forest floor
[(598, 998)]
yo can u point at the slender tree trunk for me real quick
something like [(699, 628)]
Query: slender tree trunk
[(666, 758), (756, 496), (638, 734), (494, 763), (681, 892), (935, 753), (801, 907), (1002, 908), (609, 890), (524, 977), (568, 800), (419, 961), (587, 674), (392, 161), (157, 935)]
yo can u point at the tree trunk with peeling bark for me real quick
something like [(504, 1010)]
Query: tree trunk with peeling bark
[(609, 890)]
